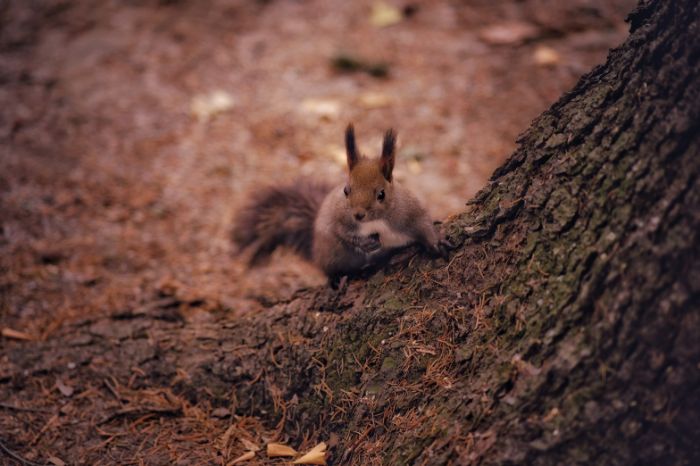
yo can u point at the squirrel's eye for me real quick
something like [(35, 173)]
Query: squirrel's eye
[(380, 195), (346, 190)]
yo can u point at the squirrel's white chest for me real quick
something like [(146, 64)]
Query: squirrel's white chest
[(388, 236)]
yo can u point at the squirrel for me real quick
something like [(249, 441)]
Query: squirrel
[(344, 229)]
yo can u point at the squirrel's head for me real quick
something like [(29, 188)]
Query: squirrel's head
[(369, 189)]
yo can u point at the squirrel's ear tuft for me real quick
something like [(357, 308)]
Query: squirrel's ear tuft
[(351, 147), (388, 154)]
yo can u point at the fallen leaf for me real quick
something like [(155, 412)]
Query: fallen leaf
[(56, 461), (349, 64), (554, 412), (546, 56), (317, 455), (414, 166), (384, 15), (524, 367), (250, 446), (320, 447), (371, 100), (227, 435), (325, 108), (510, 33), (277, 449), (66, 390), (205, 106), (16, 334), (338, 154), (221, 412), (244, 457)]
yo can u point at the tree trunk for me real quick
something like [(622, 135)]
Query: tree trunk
[(563, 330)]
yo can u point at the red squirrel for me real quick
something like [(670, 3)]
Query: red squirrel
[(345, 229)]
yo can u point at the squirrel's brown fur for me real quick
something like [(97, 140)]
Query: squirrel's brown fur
[(280, 216)]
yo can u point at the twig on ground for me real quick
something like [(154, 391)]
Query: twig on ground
[(140, 412), (17, 457), (22, 408)]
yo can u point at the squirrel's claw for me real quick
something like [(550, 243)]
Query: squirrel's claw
[(369, 244), (443, 247), (338, 282)]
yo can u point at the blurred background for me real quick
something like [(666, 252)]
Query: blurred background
[(132, 130)]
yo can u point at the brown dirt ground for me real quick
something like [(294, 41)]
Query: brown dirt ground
[(118, 190)]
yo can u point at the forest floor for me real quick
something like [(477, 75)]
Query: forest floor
[(131, 132)]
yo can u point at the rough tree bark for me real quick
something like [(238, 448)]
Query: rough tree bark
[(563, 330)]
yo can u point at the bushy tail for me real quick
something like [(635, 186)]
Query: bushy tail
[(279, 216)]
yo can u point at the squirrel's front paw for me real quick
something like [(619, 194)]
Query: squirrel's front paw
[(442, 247), (370, 243)]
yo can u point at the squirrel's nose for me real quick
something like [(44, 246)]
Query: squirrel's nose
[(359, 215)]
